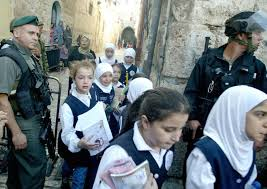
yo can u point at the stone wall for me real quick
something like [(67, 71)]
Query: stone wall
[(73, 13), (186, 23)]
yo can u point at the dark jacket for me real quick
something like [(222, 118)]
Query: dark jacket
[(246, 70), (76, 55)]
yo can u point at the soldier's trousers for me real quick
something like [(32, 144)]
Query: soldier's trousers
[(27, 167)]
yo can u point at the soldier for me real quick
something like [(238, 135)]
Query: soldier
[(229, 65), (24, 95)]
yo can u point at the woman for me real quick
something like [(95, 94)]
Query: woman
[(225, 158), (82, 51)]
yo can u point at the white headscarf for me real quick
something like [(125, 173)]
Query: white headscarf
[(227, 121), (129, 52), (104, 58), (137, 87), (100, 70), (109, 46)]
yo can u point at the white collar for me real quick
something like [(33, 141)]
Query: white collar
[(111, 61), (127, 66), (102, 87), (75, 93), (140, 143), (118, 84), (85, 98)]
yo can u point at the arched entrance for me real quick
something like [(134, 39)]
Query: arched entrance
[(56, 13), (128, 37)]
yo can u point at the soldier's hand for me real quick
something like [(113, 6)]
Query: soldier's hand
[(151, 183), (194, 124), (20, 141)]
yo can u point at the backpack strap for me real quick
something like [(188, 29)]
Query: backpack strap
[(12, 53)]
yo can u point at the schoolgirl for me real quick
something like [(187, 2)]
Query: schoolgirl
[(74, 146), (225, 158), (109, 56), (117, 76), (128, 69), (159, 126), (136, 88)]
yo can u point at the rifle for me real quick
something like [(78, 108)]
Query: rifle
[(47, 138), (206, 46)]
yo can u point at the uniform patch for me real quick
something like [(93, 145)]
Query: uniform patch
[(132, 73)]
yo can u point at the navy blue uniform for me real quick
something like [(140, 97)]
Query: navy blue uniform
[(131, 71), (126, 142), (226, 176), (106, 98), (81, 158)]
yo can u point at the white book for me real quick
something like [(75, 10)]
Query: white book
[(95, 128), (133, 179), (96, 134)]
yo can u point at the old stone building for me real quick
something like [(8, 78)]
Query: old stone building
[(172, 34), (83, 16)]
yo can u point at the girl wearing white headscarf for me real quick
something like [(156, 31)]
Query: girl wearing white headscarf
[(102, 85), (109, 55), (128, 69), (136, 88), (224, 157), (103, 90)]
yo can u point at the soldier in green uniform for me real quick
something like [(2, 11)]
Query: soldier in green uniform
[(24, 95)]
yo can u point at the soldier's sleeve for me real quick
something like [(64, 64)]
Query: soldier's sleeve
[(261, 77), (192, 89), (10, 74)]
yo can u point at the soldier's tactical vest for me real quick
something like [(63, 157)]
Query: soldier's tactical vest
[(32, 93)]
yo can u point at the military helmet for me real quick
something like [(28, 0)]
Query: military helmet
[(237, 24), (246, 22)]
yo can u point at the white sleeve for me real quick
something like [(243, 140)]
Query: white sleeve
[(112, 154), (199, 171), (68, 134)]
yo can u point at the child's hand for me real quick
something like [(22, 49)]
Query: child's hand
[(3, 118), (151, 183), (121, 98), (83, 144)]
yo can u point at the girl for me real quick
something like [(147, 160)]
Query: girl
[(103, 90), (116, 76), (102, 87), (225, 157), (128, 69), (109, 55), (136, 88), (159, 126), (73, 145)]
